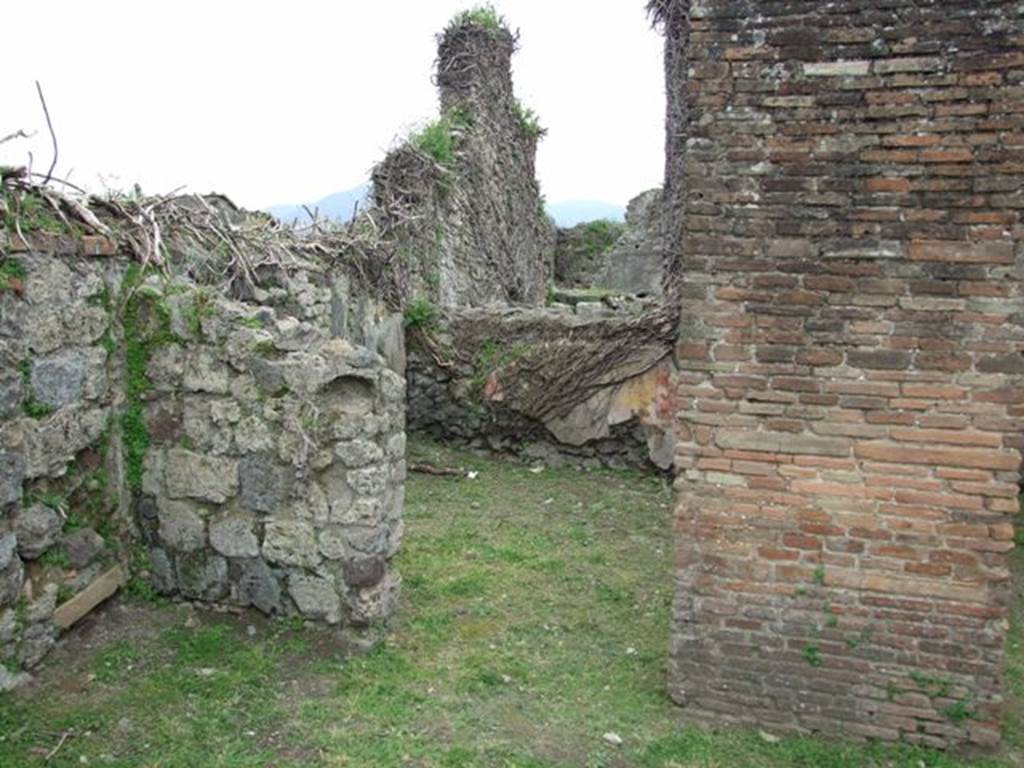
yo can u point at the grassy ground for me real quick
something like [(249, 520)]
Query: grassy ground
[(535, 622)]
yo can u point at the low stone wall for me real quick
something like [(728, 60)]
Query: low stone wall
[(471, 378), (154, 431), (275, 471)]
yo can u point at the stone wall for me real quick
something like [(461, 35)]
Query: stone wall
[(626, 258), (476, 378), (462, 194), (851, 398), (153, 429)]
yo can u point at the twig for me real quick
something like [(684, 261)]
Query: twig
[(430, 469), (18, 134), (55, 750), (53, 136)]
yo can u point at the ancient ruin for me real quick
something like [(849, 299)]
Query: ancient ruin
[(851, 349), (817, 325)]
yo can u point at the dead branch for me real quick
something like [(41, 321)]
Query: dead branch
[(53, 136), (18, 134)]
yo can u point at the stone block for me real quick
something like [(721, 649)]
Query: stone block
[(37, 528), (265, 483), (315, 597), (202, 575), (56, 380), (291, 543), (182, 529), (255, 584), (189, 475), (233, 537)]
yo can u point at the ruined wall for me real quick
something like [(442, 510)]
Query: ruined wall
[(463, 193), (153, 430), (624, 257), (852, 348), (547, 385)]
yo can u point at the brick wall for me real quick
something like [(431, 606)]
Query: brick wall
[(852, 350)]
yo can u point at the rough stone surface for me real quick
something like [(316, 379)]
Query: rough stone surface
[(484, 238), (315, 597), (234, 537), (198, 476), (849, 453), (12, 472), (181, 527), (56, 380), (82, 546), (37, 528), (202, 575), (11, 571), (606, 419)]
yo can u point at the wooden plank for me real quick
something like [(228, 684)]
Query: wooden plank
[(82, 603)]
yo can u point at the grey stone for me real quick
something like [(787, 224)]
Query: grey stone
[(8, 625), (161, 571), (8, 551), (256, 585), (316, 598), (375, 603), (181, 527), (364, 572), (333, 543), (200, 476), (42, 608), (202, 575), (265, 484), (35, 643), (291, 543), (10, 681), (82, 546), (53, 442), (234, 537), (147, 518), (358, 453), (12, 474), (781, 442), (56, 380), (370, 481), (37, 529), (881, 359), (12, 576), (392, 386), (10, 397), (204, 373)]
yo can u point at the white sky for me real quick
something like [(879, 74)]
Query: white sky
[(287, 102)]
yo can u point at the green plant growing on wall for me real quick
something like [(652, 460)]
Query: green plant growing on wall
[(12, 273), (529, 122), (147, 326), (484, 16), (437, 139), (32, 407), (812, 654), (421, 315)]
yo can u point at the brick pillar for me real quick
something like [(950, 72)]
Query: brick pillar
[(852, 346)]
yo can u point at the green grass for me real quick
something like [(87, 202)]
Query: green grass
[(484, 16), (534, 621)]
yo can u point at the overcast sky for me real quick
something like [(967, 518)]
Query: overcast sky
[(287, 102)]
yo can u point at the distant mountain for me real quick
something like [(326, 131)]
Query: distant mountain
[(338, 206), (569, 213)]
